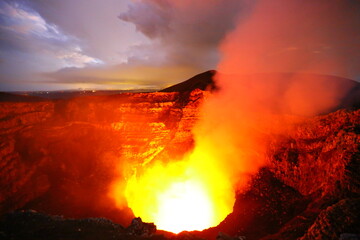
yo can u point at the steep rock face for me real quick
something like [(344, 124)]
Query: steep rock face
[(16, 116), (20, 179), (320, 155), (61, 156), (319, 159)]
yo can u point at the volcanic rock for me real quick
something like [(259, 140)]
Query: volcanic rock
[(321, 155), (334, 221), (223, 236), (139, 228), (203, 81), (33, 225)]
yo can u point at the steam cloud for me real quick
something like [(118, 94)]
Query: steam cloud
[(188, 30), (293, 37), (272, 67)]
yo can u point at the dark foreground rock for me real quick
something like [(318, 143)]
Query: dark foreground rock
[(139, 228), (32, 225)]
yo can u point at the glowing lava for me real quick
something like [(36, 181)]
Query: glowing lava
[(185, 206), (192, 194)]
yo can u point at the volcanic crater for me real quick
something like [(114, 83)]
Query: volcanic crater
[(62, 161)]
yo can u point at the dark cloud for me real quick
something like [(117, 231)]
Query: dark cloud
[(152, 18), (188, 31)]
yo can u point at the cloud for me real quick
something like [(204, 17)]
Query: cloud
[(176, 48), (22, 20), (96, 24), (30, 44), (187, 31)]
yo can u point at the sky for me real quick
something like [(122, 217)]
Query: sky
[(127, 44), (108, 44)]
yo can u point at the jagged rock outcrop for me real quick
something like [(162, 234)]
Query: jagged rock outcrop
[(139, 228)]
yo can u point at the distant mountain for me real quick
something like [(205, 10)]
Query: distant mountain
[(203, 81)]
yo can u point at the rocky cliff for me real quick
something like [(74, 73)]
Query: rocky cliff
[(60, 156)]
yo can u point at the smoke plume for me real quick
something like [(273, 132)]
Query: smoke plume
[(273, 64), (271, 74), (187, 32)]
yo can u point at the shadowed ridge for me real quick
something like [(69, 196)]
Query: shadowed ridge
[(11, 97), (203, 81)]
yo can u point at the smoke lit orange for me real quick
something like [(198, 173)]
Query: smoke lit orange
[(192, 194)]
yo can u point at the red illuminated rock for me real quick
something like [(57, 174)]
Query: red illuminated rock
[(336, 220), (321, 156)]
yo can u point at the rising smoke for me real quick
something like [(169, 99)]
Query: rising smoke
[(273, 64), (272, 67)]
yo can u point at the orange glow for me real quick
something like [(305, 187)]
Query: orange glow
[(187, 195)]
